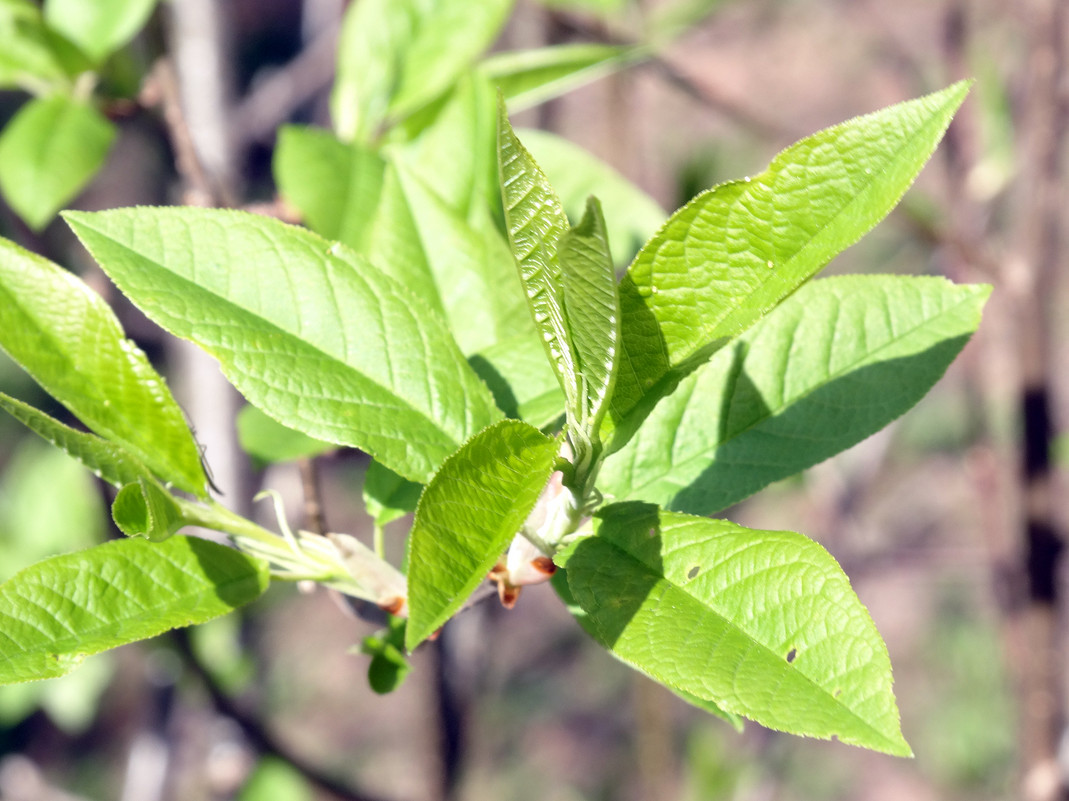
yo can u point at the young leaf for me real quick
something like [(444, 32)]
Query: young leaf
[(529, 77), (345, 354), (105, 459), (266, 439), (145, 509), (592, 316), (48, 152), (66, 337), (387, 495), (536, 222), (733, 253), (763, 623), (395, 56), (57, 612), (101, 27), (835, 363), (335, 186), (631, 216), (467, 516)]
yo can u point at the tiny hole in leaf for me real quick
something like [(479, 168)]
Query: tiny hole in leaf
[(791, 654), (693, 572)]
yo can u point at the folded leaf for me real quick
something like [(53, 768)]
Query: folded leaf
[(467, 516), (309, 332), (49, 151), (145, 509), (763, 623), (66, 337), (837, 362), (592, 317), (57, 612), (733, 253), (631, 216)]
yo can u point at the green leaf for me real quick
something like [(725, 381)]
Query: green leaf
[(33, 526), (66, 337), (835, 363), (468, 275), (763, 623), (49, 151), (529, 77), (266, 439), (733, 253), (631, 216), (101, 27), (387, 495), (560, 584), (105, 459), (59, 611), (389, 667), (145, 509), (335, 186), (467, 516), (592, 316), (522, 381), (28, 59), (343, 354), (396, 56), (276, 780), (536, 222)]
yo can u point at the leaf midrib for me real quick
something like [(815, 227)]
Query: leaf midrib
[(710, 333), (270, 327), (831, 377), (145, 613), (775, 658)]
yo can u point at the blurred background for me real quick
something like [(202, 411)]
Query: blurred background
[(951, 523)]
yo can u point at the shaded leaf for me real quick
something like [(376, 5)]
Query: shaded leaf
[(837, 362), (387, 495), (763, 623), (732, 254)]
